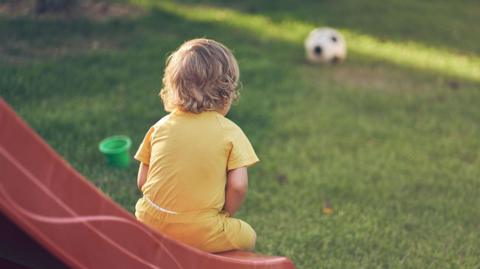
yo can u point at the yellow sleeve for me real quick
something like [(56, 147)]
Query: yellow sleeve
[(144, 151), (242, 153)]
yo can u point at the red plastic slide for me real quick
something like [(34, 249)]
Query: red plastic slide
[(52, 217)]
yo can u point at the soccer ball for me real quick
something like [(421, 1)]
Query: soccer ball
[(325, 45)]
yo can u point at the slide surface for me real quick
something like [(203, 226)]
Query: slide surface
[(45, 201)]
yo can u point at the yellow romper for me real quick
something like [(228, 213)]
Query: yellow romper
[(188, 156)]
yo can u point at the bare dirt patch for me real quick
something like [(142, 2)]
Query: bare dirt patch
[(372, 78), (18, 49), (380, 79), (90, 9), (375, 78)]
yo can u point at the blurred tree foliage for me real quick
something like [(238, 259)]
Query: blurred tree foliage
[(43, 6)]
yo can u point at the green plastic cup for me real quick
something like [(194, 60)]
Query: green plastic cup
[(116, 150)]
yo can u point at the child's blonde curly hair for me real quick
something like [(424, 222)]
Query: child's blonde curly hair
[(201, 75)]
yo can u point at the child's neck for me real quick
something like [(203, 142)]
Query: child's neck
[(224, 110)]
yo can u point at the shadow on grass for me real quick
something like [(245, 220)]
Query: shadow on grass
[(273, 71), (271, 66), (415, 56), (433, 24)]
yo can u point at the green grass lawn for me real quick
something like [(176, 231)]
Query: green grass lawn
[(391, 137)]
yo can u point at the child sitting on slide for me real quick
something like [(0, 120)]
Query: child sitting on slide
[(193, 170)]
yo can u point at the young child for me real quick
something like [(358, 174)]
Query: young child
[(193, 170)]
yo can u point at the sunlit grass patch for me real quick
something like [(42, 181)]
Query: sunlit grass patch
[(408, 54)]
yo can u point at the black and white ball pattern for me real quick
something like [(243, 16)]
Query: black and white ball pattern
[(325, 45)]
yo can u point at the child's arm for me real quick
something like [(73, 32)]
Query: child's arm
[(142, 175), (236, 190)]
